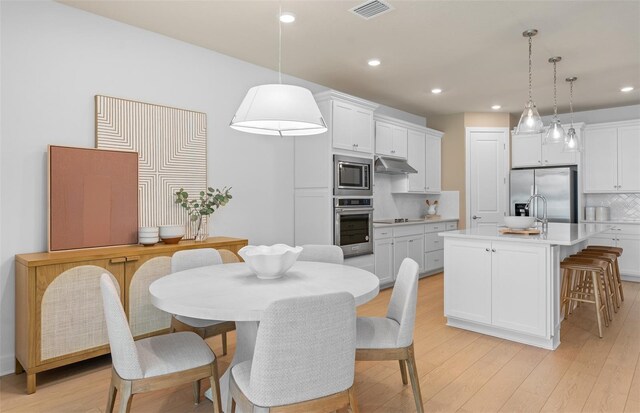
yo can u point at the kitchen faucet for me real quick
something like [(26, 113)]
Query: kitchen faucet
[(544, 220)]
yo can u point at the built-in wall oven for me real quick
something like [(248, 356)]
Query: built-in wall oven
[(354, 226), (352, 176)]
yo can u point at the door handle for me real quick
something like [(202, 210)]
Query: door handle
[(133, 258), (476, 217), (117, 260)]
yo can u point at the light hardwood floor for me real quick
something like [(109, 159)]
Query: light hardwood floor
[(459, 370)]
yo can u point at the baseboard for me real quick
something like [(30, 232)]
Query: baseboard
[(7, 365), (632, 278)]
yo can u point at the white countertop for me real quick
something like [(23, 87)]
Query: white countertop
[(622, 221), (417, 222), (557, 234)]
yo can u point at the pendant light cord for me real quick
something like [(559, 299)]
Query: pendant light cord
[(530, 42), (555, 93), (571, 101), (280, 47)]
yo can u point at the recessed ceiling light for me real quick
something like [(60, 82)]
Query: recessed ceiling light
[(496, 107), (374, 62), (287, 17), (626, 89), (436, 91)]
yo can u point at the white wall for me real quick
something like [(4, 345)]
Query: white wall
[(599, 115), (56, 58)]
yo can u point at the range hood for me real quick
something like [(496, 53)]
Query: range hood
[(393, 166)]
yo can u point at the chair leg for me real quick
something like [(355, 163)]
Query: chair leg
[(196, 392), (353, 402), (215, 387), (415, 382), (224, 344), (125, 396), (111, 399), (403, 371), (232, 407), (596, 294)]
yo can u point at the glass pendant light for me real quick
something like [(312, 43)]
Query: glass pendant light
[(277, 109), (571, 141), (530, 121), (555, 133)]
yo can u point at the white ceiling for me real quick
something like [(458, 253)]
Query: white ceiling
[(473, 50)]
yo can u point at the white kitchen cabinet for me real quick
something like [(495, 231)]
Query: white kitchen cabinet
[(410, 246), (629, 158), (486, 280), (626, 237), (425, 155), (467, 285), (516, 283), (416, 157), (611, 153), (526, 150), (352, 127), (384, 269), (530, 150), (391, 140), (433, 163)]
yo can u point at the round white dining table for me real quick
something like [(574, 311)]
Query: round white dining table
[(231, 292)]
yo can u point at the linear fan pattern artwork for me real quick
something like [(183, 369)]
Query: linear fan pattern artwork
[(172, 148)]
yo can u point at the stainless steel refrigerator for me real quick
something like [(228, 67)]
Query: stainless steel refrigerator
[(558, 185)]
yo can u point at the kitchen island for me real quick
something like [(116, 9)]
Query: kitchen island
[(508, 285)]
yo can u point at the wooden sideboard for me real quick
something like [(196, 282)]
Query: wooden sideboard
[(59, 318)]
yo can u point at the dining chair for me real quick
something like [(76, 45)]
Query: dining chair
[(331, 254), (391, 337), (202, 257), (228, 257), (303, 360), (152, 363)]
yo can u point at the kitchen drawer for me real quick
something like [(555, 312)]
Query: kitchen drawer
[(433, 242), (382, 233), (436, 227), (405, 230), (433, 260), (621, 229), (451, 226)]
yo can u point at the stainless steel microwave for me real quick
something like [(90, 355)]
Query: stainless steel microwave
[(352, 176)]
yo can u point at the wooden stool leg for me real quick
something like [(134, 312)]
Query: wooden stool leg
[(619, 280), (595, 277), (403, 371), (224, 344), (196, 392)]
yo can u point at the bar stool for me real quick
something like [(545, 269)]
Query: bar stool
[(618, 252), (614, 292), (609, 294), (582, 282)]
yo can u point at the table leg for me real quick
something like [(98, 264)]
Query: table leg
[(246, 333)]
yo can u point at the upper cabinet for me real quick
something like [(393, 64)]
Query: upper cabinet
[(424, 151), (391, 140), (611, 153), (529, 151), (350, 121)]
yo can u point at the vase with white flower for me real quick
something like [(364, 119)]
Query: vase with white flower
[(201, 207)]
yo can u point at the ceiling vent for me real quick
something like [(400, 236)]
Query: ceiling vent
[(371, 9)]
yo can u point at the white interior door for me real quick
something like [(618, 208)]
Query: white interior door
[(487, 168)]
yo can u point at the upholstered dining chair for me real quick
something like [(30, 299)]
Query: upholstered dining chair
[(391, 337), (153, 363), (202, 257), (304, 358), (331, 254)]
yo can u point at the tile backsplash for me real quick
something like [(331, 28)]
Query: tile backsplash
[(622, 206)]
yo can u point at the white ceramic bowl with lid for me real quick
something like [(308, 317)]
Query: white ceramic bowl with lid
[(270, 262)]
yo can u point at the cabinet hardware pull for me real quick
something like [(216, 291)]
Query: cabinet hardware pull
[(134, 258), (492, 250), (117, 260), (486, 249)]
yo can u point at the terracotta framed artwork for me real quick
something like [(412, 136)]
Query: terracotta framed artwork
[(93, 198), (172, 148)]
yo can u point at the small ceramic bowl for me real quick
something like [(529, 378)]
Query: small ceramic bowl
[(148, 230), (519, 222), (171, 231), (270, 262)]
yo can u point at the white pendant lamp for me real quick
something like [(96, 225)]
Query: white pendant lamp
[(571, 141), (277, 109), (530, 121), (555, 133)]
